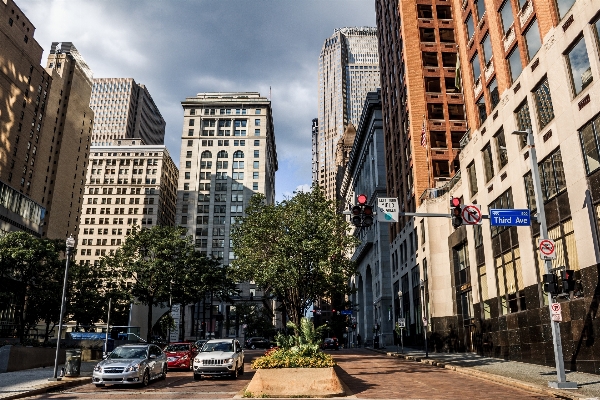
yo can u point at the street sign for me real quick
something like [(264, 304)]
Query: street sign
[(346, 312), (509, 217), (556, 312), (402, 322), (471, 214), (387, 209), (547, 249)]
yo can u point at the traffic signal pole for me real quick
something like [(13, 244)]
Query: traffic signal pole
[(561, 382)]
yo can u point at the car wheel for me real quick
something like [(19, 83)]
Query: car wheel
[(242, 369), (253, 347), (146, 378), (99, 385), (197, 377)]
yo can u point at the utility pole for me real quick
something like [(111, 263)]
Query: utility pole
[(561, 382)]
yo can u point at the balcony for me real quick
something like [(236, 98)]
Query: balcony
[(434, 193)]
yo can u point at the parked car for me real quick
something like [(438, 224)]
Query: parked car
[(219, 357), (181, 355), (258, 343), (330, 343), (131, 364)]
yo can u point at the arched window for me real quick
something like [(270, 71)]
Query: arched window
[(238, 154), (206, 154), (222, 154)]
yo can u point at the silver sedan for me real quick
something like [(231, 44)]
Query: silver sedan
[(131, 364)]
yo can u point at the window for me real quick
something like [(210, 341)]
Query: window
[(448, 59), (483, 290), (191, 122), (446, 35), (552, 179), (190, 143), (430, 59), (469, 26), (475, 67), (589, 143), (435, 111), (563, 7), (533, 42), (257, 132), (488, 164), (206, 154), (506, 15), (443, 12), (432, 84), (486, 48), (424, 11), (255, 175), (480, 8), (192, 111), (456, 111), (501, 148), (254, 185), (191, 132), (494, 95), (257, 112), (257, 122), (514, 63), (438, 139), (187, 175), (481, 109), (427, 34), (238, 154), (222, 154), (257, 142), (472, 174), (255, 165), (523, 121), (188, 154), (543, 103), (579, 65)]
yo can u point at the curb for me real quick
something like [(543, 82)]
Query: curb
[(488, 376), (49, 387)]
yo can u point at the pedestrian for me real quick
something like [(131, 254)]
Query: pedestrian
[(358, 340)]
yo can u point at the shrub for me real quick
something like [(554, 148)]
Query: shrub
[(301, 357)]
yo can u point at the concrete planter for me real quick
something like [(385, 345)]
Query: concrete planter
[(295, 382), (17, 358)]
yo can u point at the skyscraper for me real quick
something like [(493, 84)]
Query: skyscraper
[(125, 109), (348, 70), (227, 155)]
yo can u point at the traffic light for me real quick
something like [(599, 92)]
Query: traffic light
[(362, 213), (456, 208), (568, 280), (550, 284)]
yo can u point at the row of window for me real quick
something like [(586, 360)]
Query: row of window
[(107, 210), (123, 171), (224, 111), (95, 190), (111, 181)]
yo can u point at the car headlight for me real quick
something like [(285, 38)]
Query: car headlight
[(98, 368), (197, 360), (132, 368), (229, 360)]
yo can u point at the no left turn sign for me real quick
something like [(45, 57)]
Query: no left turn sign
[(471, 214), (547, 249)]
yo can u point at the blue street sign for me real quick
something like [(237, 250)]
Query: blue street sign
[(346, 312), (503, 217)]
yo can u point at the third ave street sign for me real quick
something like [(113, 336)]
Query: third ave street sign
[(509, 217)]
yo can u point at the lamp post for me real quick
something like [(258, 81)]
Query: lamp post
[(561, 382), (424, 317), (70, 245), (401, 316)]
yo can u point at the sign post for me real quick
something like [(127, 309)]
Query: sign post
[(387, 209)]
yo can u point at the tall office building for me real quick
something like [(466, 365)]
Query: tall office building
[(348, 70), (125, 109), (44, 128), (227, 155), (127, 184)]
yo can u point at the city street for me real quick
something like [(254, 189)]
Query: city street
[(368, 375)]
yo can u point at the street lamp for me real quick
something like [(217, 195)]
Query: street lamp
[(70, 245), (561, 382), (424, 317)]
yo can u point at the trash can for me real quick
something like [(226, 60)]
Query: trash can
[(73, 362), (376, 342)]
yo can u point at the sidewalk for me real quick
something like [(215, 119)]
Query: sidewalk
[(508, 372), (30, 382)]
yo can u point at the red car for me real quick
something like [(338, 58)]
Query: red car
[(180, 355)]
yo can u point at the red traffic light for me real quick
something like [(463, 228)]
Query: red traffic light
[(454, 202), (362, 199)]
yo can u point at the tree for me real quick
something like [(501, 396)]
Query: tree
[(296, 249), (154, 261), (35, 270)]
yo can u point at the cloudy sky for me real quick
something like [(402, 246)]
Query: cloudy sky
[(179, 48)]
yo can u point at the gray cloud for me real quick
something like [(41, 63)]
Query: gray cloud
[(180, 48)]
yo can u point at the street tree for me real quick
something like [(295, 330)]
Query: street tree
[(296, 250), (153, 261)]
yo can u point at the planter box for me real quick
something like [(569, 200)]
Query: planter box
[(17, 358), (295, 382)]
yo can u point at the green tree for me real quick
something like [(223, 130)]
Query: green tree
[(36, 270), (154, 261), (296, 249)]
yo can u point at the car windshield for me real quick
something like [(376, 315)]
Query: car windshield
[(178, 347), (219, 346), (128, 352)]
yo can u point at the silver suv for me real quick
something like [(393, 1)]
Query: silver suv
[(219, 357)]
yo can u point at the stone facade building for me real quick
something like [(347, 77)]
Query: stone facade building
[(227, 155)]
